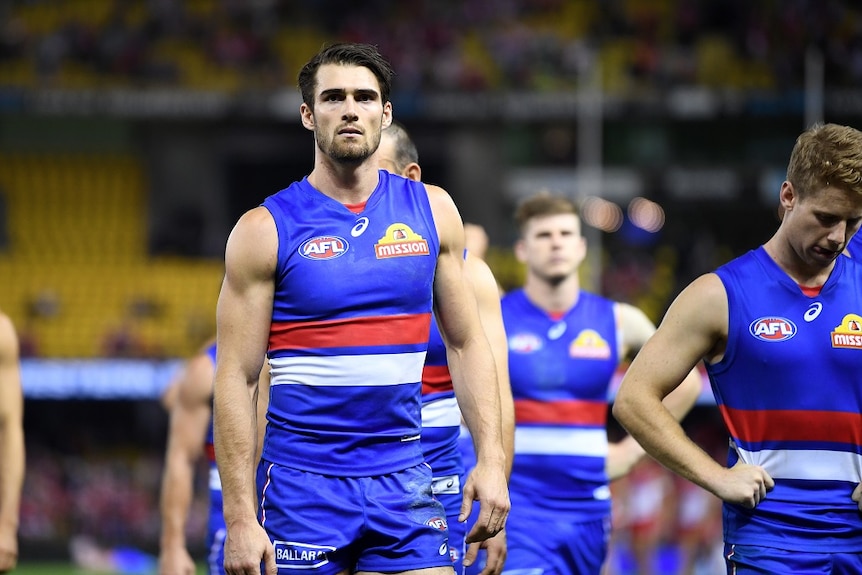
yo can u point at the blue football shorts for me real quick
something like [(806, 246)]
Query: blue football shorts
[(322, 524), (758, 560), (549, 546)]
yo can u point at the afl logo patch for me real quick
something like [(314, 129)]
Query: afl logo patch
[(772, 329), (323, 248), (438, 523), (525, 343)]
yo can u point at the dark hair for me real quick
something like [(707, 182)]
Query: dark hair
[(364, 55), (826, 155), (543, 204), (405, 150)]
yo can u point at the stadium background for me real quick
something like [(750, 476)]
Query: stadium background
[(134, 133)]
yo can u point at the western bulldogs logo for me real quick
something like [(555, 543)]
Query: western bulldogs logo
[(323, 248)]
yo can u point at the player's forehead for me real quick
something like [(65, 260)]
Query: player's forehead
[(835, 202), (345, 77), (553, 223)]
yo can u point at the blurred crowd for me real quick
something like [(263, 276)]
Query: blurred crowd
[(469, 45)]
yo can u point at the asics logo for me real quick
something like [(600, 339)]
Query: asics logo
[(813, 311), (359, 227)]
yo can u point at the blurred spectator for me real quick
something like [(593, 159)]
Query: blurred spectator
[(464, 46), (123, 341)]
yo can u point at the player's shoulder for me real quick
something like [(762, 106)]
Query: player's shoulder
[(706, 286)]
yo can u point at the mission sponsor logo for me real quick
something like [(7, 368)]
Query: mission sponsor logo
[(589, 345), (399, 241), (848, 335), (772, 329), (295, 555), (323, 248)]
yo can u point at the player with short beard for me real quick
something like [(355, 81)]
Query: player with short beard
[(342, 486)]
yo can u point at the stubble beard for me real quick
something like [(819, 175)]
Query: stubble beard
[(346, 154)]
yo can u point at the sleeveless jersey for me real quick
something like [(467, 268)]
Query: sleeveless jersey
[(350, 321), (560, 371), (789, 389)]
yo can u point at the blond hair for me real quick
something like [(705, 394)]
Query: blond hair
[(826, 155)]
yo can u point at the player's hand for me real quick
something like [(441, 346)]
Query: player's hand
[(487, 485), (495, 553), (857, 496), (176, 561), (8, 550), (247, 546), (745, 485)]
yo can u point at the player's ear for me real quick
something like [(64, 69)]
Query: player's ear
[(413, 172), (520, 251), (787, 197), (387, 115), (306, 114)]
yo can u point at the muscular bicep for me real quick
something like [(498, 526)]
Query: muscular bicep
[(454, 304), (192, 410), (694, 329), (244, 309)]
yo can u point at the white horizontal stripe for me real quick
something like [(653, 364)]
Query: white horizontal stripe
[(215, 479), (441, 413), (806, 464), (561, 441), (348, 370)]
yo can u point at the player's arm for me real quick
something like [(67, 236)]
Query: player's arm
[(488, 299), (490, 314), (695, 327), (189, 421), (471, 364), (11, 444), (636, 329), (243, 318)]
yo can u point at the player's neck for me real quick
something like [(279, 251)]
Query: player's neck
[(804, 274), (553, 297), (345, 183)]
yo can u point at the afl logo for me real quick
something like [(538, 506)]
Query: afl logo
[(525, 343), (323, 248), (438, 523), (772, 328)]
